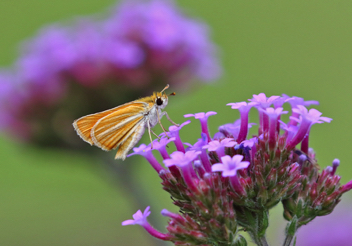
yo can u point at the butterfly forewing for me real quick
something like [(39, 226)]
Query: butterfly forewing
[(84, 125), (113, 136), (111, 131)]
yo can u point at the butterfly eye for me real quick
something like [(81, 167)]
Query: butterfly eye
[(159, 101)]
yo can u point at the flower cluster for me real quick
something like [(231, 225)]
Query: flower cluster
[(231, 181), (95, 64)]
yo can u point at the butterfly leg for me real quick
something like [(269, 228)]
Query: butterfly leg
[(162, 127), (155, 134), (150, 135), (168, 117)]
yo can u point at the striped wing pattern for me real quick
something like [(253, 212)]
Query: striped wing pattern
[(107, 134), (120, 127), (84, 125), (133, 138)]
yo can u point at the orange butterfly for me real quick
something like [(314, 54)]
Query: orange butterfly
[(122, 127)]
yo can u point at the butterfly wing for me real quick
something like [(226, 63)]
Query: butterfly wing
[(122, 128), (85, 124), (130, 141)]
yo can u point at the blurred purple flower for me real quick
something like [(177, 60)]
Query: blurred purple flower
[(159, 27), (331, 230), (68, 71)]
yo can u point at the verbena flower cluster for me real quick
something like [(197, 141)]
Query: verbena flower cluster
[(229, 182), (98, 63)]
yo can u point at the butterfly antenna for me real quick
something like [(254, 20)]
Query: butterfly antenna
[(167, 86)]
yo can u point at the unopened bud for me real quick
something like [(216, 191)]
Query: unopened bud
[(301, 159), (335, 164), (313, 192)]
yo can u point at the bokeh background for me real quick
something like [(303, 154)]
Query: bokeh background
[(301, 48)]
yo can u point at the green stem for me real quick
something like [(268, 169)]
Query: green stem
[(291, 230), (260, 241), (288, 240), (263, 241), (255, 223)]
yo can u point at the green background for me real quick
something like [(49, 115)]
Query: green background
[(301, 48)]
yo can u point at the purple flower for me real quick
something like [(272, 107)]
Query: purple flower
[(52, 49), (334, 229), (184, 161), (160, 27), (273, 115), (11, 101), (174, 132), (123, 54), (290, 130), (141, 150), (161, 144), (307, 119), (250, 148), (198, 146), (263, 102), (201, 115), (229, 167), (181, 159), (219, 146), (244, 108), (203, 118), (312, 115), (233, 129), (200, 143), (279, 102), (294, 102), (146, 152), (250, 142), (256, 175), (140, 218)]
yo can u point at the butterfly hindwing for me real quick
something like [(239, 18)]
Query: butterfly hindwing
[(130, 141)]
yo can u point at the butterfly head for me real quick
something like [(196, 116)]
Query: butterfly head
[(161, 99)]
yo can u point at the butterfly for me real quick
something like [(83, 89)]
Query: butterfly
[(123, 126)]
